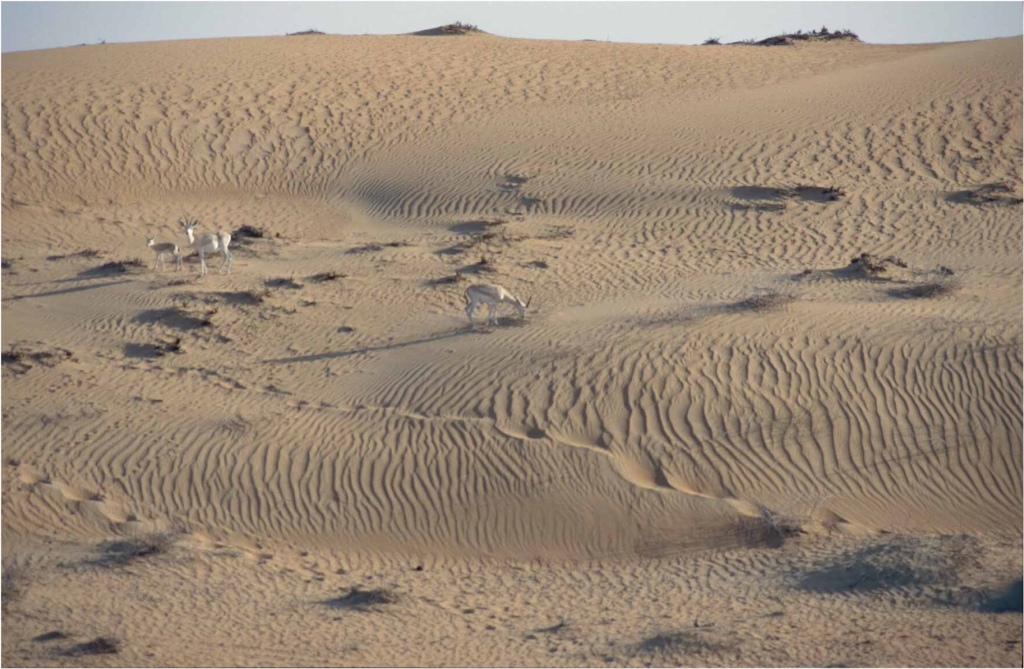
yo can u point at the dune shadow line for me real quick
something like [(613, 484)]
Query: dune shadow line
[(65, 291), (368, 349)]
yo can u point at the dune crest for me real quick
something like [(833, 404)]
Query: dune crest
[(775, 303)]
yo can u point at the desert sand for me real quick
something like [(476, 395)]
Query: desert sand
[(722, 435)]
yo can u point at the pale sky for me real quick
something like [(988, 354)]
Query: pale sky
[(41, 25)]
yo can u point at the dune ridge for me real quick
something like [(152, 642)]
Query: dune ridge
[(710, 370)]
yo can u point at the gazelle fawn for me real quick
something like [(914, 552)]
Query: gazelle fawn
[(210, 242), (492, 295), (162, 249)]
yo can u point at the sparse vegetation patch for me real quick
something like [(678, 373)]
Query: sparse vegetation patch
[(311, 31), (10, 586), (822, 35), (20, 357), (458, 28)]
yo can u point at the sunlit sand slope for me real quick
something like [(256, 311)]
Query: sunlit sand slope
[(700, 354)]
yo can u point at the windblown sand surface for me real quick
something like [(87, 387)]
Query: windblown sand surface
[(714, 440)]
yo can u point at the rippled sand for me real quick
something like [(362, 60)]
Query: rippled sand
[(721, 436)]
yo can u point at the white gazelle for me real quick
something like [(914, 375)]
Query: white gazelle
[(210, 242), (164, 248), (492, 295)]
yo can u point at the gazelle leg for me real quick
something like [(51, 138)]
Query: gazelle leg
[(177, 260), (227, 260), (202, 264), (492, 313), (469, 312)]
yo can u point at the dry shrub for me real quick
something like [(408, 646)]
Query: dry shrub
[(121, 553), (688, 641), (771, 530), (311, 31), (995, 193), (20, 357), (373, 247), (876, 265), (711, 41), (326, 276)]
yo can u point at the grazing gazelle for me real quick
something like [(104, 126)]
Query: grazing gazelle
[(492, 295), (210, 242), (162, 249)]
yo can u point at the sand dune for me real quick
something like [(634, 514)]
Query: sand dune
[(715, 388)]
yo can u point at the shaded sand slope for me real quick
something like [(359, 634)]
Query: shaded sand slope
[(652, 197)]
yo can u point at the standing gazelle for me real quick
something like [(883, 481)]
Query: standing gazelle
[(492, 295), (210, 242), (162, 249)]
